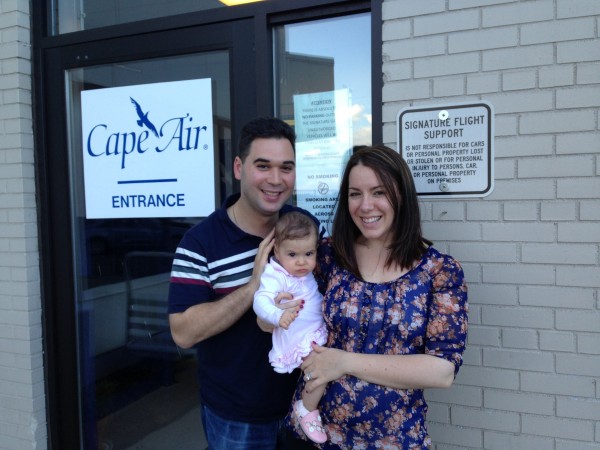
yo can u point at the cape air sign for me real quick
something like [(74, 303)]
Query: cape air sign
[(148, 150), (449, 149)]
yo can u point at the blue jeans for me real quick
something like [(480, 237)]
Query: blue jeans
[(223, 434)]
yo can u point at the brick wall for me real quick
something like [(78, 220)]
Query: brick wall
[(530, 250), (22, 402)]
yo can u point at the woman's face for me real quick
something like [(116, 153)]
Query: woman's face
[(368, 204)]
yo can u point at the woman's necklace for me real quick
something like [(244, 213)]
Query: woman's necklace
[(366, 274)]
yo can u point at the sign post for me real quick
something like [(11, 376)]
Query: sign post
[(449, 149)]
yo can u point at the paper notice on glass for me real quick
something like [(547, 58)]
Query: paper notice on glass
[(323, 124)]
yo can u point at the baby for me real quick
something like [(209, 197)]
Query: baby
[(290, 270)]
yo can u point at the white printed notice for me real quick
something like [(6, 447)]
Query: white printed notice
[(148, 150), (449, 149), (323, 123)]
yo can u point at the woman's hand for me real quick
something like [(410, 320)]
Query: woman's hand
[(323, 365)]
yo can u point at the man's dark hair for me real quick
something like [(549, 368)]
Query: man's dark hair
[(264, 127)]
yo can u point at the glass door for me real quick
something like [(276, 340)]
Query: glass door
[(134, 387)]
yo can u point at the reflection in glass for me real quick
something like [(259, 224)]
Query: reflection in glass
[(323, 87), (77, 15), (135, 383)]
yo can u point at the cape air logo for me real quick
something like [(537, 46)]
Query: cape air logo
[(148, 150)]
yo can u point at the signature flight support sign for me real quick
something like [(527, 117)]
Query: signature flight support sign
[(449, 149), (148, 150)]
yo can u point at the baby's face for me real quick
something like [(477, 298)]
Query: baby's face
[(297, 256)]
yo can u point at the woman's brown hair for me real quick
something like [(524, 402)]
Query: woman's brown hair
[(407, 244)]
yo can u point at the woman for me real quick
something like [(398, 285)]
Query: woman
[(395, 309)]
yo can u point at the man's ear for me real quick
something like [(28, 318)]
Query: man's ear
[(237, 168)]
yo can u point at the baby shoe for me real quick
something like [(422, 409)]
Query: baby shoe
[(312, 426)]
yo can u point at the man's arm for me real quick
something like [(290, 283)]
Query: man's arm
[(204, 320)]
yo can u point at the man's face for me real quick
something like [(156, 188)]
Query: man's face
[(268, 174)]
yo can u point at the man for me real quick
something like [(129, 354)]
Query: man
[(215, 273)]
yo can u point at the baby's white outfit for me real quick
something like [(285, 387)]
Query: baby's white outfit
[(293, 344)]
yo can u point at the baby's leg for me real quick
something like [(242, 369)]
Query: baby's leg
[(311, 399)]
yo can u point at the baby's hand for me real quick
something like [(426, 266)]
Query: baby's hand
[(288, 316)]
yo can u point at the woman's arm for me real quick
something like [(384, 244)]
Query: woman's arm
[(395, 371)]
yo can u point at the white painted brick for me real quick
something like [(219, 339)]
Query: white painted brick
[(557, 122), (523, 190), (472, 356), (397, 71), (443, 232), (508, 102), (483, 39), (552, 426), (556, 297), (578, 51), (582, 276), (483, 335), (404, 90), (505, 169), (447, 87), (518, 232), (556, 31), (579, 320), (518, 274), (459, 4), (492, 294), (531, 11), (506, 125), (559, 254), (557, 341), (578, 142), (551, 383), (578, 188), (503, 441), (446, 22), (438, 412), (409, 8), (483, 210), (489, 377), (483, 83), (569, 8), (523, 146), (415, 47), (561, 166), (448, 211), (395, 29), (576, 445), (558, 210), (556, 76), (518, 401), (587, 343), (520, 211), (513, 58), (485, 419), (568, 363), (523, 339), (579, 232), (522, 79), (456, 395), (463, 437), (589, 210), (527, 318), (484, 252), (446, 65), (578, 97), (588, 73)]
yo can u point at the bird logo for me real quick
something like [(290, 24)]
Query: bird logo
[(143, 118)]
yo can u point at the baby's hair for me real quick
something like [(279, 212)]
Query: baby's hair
[(294, 225)]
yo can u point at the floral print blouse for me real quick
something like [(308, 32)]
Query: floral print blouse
[(423, 311)]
